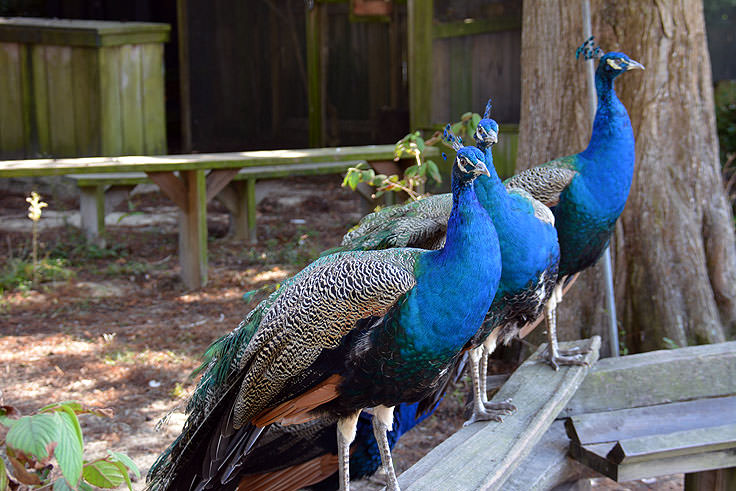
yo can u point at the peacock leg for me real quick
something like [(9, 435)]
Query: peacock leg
[(479, 411), (346, 428), (553, 354), (489, 346), (383, 421)]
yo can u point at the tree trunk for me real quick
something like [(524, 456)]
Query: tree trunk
[(674, 252)]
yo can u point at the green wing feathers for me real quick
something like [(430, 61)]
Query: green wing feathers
[(420, 224)]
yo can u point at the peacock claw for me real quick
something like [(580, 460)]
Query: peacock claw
[(500, 406), (487, 415), (560, 360)]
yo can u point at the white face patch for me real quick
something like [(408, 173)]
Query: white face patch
[(460, 165), (614, 63)]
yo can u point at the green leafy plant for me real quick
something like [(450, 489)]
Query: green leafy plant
[(18, 274), (34, 443), (415, 177)]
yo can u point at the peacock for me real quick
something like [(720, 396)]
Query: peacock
[(352, 330), (305, 455), (587, 191), (529, 255)]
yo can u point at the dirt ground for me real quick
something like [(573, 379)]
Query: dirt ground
[(124, 333)]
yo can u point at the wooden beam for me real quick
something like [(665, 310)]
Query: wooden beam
[(657, 377), (171, 186), (218, 179), (419, 32), (484, 455), (716, 480)]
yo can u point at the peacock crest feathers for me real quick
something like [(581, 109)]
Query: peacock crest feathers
[(589, 50)]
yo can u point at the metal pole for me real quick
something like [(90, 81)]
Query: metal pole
[(607, 269)]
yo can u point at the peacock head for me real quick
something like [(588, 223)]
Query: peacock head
[(469, 161), (613, 64), (486, 134)]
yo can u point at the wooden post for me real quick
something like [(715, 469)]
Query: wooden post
[(419, 27), (314, 75), (92, 213), (193, 230)]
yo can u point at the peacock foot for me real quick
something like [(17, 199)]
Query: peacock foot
[(487, 415), (562, 360), (500, 406)]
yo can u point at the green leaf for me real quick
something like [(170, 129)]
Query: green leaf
[(83, 486), (346, 179), (4, 481), (6, 411), (368, 175), (456, 128), (58, 406), (420, 144), (411, 171), (103, 474), (68, 452), (33, 434), (62, 485), (127, 461), (378, 180), (433, 170), (354, 180), (124, 472)]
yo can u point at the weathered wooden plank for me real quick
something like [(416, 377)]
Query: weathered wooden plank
[(12, 138), (484, 455), (40, 101), (93, 33), (61, 103), (110, 104), (131, 100), (154, 112), (548, 464), (657, 377), (652, 447), (440, 109), (638, 470), (86, 100), (193, 230), (419, 34), (92, 165), (461, 76), (638, 422)]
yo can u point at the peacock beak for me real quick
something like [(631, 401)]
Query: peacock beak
[(493, 137), (632, 64), (481, 169)]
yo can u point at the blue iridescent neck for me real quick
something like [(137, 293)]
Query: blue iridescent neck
[(609, 157), (490, 190)]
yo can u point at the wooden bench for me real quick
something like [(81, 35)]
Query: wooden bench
[(100, 193), (530, 451), (620, 423), (484, 455), (191, 181)]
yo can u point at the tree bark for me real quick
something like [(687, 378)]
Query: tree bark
[(674, 250)]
